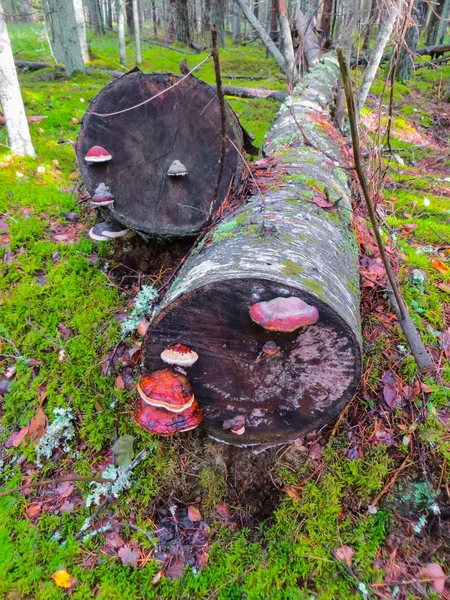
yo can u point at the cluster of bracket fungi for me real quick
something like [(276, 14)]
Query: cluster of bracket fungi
[(166, 403), (102, 194)]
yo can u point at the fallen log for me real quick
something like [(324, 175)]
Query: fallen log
[(293, 243), (31, 120), (163, 134), (424, 51)]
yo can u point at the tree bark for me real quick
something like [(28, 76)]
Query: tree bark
[(443, 26), (405, 59), (265, 38), (218, 20), (280, 243), (129, 17), (95, 17), (388, 19), (287, 47), (11, 98), (237, 15), (435, 21), (326, 20), (81, 28), (310, 44), (182, 22), (52, 14), (69, 30), (137, 33), (120, 12)]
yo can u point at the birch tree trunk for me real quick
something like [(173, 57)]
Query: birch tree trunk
[(120, 12), (70, 37), (287, 47), (81, 29), (278, 244), (388, 19), (137, 33), (11, 98), (265, 38)]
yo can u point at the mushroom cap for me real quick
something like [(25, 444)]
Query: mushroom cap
[(163, 422), (102, 196), (284, 314), (177, 169), (166, 389), (270, 348), (97, 154), (179, 355)]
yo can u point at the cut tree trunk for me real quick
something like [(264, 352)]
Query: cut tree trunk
[(182, 124), (11, 98), (279, 244)]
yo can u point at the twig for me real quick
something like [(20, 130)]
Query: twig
[(34, 484), (360, 585), (391, 481), (223, 118), (119, 112), (144, 533), (423, 359)]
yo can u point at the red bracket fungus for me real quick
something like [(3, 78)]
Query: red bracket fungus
[(102, 196), (164, 422), (97, 154), (179, 355), (284, 314), (166, 389)]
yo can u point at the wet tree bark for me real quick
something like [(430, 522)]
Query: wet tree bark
[(281, 243), (406, 59)]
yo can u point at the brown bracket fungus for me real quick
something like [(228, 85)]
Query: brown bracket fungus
[(179, 355), (177, 169), (284, 314), (166, 389), (97, 154), (102, 196), (164, 422)]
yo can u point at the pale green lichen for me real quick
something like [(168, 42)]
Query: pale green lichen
[(291, 268), (143, 305)]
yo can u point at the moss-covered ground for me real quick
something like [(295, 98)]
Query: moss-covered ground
[(272, 523)]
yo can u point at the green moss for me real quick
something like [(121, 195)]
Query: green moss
[(315, 286), (291, 268)]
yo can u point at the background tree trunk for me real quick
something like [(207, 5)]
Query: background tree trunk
[(218, 19), (435, 21), (279, 244), (266, 39), (237, 16), (287, 48), (11, 98), (129, 16), (137, 33), (326, 20), (443, 26), (120, 13), (95, 17), (405, 60), (69, 36), (388, 18), (308, 40), (182, 22), (56, 43), (81, 29)]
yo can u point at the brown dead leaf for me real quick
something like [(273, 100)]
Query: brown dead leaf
[(292, 492), (322, 202), (64, 331), (434, 572), (410, 226), (345, 554), (315, 451), (64, 489), (33, 510), (142, 327), (128, 556), (175, 571), (194, 514), (38, 425), (223, 510), (15, 439), (439, 266), (113, 540), (445, 287), (120, 384), (157, 578)]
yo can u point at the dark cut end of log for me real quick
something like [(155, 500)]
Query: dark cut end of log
[(182, 124), (283, 395)]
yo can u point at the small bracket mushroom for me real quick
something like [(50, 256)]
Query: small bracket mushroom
[(102, 196), (177, 169), (97, 154)]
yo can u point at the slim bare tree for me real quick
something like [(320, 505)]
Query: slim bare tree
[(11, 98), (120, 11)]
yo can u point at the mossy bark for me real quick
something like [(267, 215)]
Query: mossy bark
[(280, 243)]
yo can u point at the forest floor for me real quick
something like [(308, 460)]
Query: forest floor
[(360, 510)]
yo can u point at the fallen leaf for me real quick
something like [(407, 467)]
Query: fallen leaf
[(64, 489), (156, 579), (223, 510), (123, 451), (175, 571), (434, 572), (33, 510), (345, 554), (67, 506), (62, 579), (410, 226), (445, 287), (315, 451), (37, 426), (10, 372), (15, 439), (142, 327), (120, 384), (128, 556), (4, 386), (64, 331), (113, 540), (390, 395), (292, 493), (322, 202), (439, 266), (194, 514)]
